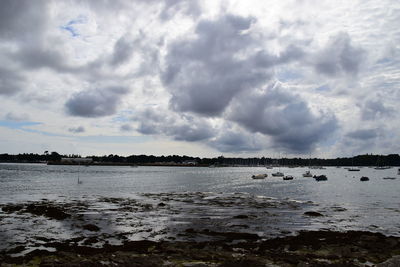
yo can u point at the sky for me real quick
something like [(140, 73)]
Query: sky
[(200, 78)]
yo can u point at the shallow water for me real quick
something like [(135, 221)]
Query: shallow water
[(199, 198)]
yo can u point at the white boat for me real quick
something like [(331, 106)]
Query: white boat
[(278, 174), (307, 174)]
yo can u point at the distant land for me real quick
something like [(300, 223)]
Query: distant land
[(187, 161)]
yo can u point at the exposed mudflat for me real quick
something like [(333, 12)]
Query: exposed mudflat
[(186, 229)]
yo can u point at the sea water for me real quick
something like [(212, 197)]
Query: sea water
[(208, 197)]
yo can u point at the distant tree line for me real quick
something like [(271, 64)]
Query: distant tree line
[(360, 160)]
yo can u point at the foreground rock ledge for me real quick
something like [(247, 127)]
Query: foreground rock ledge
[(308, 248)]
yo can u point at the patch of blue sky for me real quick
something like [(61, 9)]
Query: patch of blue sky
[(18, 124), (323, 88), (114, 139), (70, 26), (288, 75), (123, 116), (21, 125)]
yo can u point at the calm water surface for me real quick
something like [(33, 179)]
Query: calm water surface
[(372, 205)]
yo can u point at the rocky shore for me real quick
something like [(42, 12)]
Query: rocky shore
[(312, 248), (185, 229)]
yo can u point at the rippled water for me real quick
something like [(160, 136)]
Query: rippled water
[(345, 202)]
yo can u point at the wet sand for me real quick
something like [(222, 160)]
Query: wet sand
[(186, 229)]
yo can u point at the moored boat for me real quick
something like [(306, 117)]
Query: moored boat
[(354, 169), (307, 174), (278, 174), (259, 176), (320, 177), (364, 179), (389, 178), (288, 177)]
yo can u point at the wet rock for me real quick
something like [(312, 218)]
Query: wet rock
[(10, 208), (47, 210), (195, 264), (242, 216), (313, 214), (392, 262), (91, 227)]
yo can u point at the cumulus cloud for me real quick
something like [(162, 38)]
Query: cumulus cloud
[(79, 129), (363, 134), (204, 73), (126, 128), (96, 102), (284, 116), (178, 126), (22, 19), (11, 116), (339, 57), (234, 140), (375, 109), (11, 82)]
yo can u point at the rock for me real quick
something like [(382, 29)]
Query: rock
[(43, 209), (313, 214), (91, 227), (392, 262), (242, 216), (12, 208), (194, 264)]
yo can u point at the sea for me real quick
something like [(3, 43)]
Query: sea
[(190, 197)]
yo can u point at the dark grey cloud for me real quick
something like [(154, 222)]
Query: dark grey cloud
[(22, 19), (203, 74), (339, 57), (123, 50), (236, 141), (284, 116), (79, 129), (97, 102), (363, 134), (33, 58), (178, 126), (126, 128), (375, 109), (11, 81)]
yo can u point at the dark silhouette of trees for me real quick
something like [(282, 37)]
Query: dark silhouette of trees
[(360, 160)]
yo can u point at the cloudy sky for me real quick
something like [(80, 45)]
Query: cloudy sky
[(201, 78)]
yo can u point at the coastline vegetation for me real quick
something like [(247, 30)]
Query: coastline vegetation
[(176, 160)]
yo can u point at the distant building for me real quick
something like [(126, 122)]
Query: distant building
[(189, 162)]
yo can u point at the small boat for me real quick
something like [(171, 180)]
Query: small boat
[(320, 177), (382, 168), (364, 179), (278, 174), (307, 174), (288, 177), (259, 176), (389, 178), (269, 167), (353, 169)]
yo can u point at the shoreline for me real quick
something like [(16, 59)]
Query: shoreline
[(307, 248), (187, 229)]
